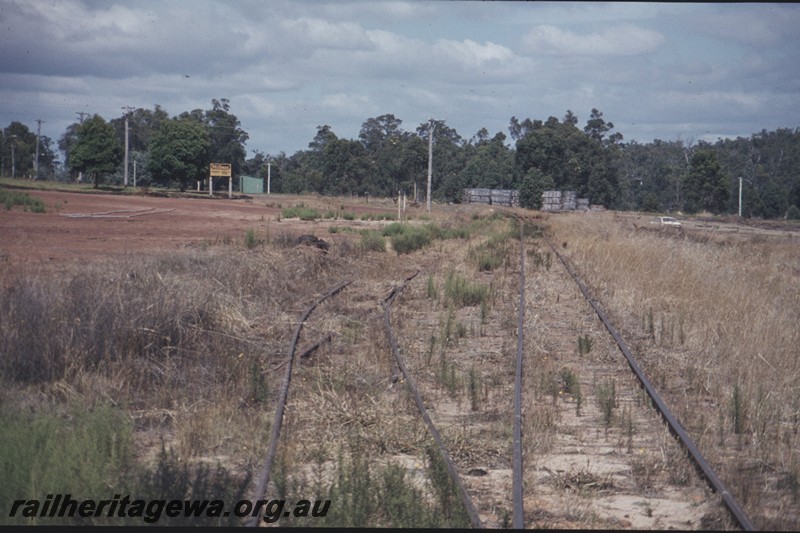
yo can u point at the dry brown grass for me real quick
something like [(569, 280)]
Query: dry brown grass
[(715, 323), (192, 346)]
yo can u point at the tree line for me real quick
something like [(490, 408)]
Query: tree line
[(537, 155)]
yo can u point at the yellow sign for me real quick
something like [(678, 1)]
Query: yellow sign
[(220, 170)]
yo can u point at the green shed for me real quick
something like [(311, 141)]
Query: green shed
[(251, 185)]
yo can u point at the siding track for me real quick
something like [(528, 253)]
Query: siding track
[(660, 405)]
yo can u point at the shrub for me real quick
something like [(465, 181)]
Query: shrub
[(372, 241), (607, 400), (462, 293), (250, 239), (300, 211), (46, 454), (410, 241), (12, 198)]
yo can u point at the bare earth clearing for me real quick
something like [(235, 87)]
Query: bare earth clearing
[(129, 226), (581, 470)]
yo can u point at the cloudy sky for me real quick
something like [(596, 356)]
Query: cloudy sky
[(667, 71)]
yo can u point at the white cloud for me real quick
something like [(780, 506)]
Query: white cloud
[(473, 55), (288, 66), (623, 40), (321, 33)]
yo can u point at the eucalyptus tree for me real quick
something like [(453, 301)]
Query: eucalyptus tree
[(706, 186), (448, 159), (488, 162), (575, 160), (97, 151), (180, 151)]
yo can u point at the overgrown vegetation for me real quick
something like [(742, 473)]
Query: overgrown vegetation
[(463, 293), (12, 199), (300, 211), (714, 320), (87, 453)]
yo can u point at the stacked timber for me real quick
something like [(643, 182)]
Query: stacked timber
[(505, 197), (551, 201), (563, 201), (568, 200)]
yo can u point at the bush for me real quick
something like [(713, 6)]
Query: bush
[(793, 213), (462, 293), (410, 240), (12, 198), (372, 241), (250, 239), (46, 454), (300, 211)]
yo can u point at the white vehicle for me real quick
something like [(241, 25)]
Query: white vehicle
[(666, 221)]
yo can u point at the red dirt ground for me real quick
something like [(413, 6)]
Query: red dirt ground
[(55, 242)]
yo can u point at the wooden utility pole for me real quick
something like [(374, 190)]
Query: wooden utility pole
[(128, 110), (430, 160), (36, 161)]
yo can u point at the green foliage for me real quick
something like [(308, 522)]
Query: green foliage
[(85, 454), (574, 160), (651, 203), (585, 344), (738, 410), (407, 238), (250, 239), (97, 150), (706, 187), (462, 293), (432, 292), (569, 381), (534, 183), (492, 253), (258, 383), (607, 400), (450, 506), (226, 137), (172, 479), (300, 211), (410, 240), (793, 213), (180, 152), (370, 496), (570, 384), (474, 387), (372, 241), (13, 198)]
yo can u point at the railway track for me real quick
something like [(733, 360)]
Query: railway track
[(266, 472), (660, 405), (518, 485)]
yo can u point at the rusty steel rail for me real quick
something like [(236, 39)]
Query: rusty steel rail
[(465, 498), (674, 425), (263, 480), (518, 518)]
